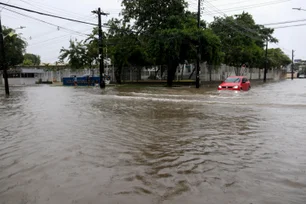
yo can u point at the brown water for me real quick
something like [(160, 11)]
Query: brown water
[(153, 145)]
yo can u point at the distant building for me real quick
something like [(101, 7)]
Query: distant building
[(289, 71), (24, 76)]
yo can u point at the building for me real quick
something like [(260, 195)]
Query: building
[(30, 75), (23, 76)]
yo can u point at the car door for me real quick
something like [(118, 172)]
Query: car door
[(248, 84), (244, 84)]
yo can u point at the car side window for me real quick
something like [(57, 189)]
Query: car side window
[(244, 80)]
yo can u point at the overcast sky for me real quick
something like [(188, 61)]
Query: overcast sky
[(46, 40)]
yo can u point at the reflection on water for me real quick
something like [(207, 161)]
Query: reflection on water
[(153, 145)]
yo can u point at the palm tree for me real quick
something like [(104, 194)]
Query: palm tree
[(75, 54)]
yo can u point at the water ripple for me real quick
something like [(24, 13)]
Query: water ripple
[(153, 145)]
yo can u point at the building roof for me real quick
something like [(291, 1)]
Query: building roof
[(35, 71)]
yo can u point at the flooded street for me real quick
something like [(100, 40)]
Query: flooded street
[(153, 145)]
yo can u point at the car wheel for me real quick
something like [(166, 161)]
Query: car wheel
[(249, 87)]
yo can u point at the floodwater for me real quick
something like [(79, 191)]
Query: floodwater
[(153, 145)]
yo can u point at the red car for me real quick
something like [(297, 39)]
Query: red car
[(236, 83)]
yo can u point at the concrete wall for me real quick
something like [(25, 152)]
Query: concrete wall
[(216, 74), (224, 71), (20, 81), (57, 76)]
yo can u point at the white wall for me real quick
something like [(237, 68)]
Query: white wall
[(225, 71), (21, 81)]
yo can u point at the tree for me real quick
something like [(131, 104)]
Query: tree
[(91, 44), (31, 59), (170, 33), (75, 54), (242, 39), (160, 24), (277, 58), (153, 15), (14, 47), (125, 47)]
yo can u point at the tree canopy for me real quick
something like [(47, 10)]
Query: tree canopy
[(125, 47), (31, 59), (75, 54), (14, 47), (242, 39), (170, 33), (277, 58)]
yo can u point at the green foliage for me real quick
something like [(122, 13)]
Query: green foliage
[(170, 33), (91, 44), (211, 51), (14, 47), (242, 39), (277, 58), (152, 15), (27, 62), (31, 59), (125, 47), (75, 55)]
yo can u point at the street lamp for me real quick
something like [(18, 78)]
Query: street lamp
[(2, 55)]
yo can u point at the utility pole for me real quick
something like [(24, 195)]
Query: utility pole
[(198, 47), (292, 66), (101, 55), (266, 63), (3, 62)]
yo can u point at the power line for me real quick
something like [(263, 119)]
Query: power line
[(285, 22), (250, 31), (46, 14), (46, 22), (51, 39), (239, 26), (289, 26), (252, 6), (4, 6), (241, 2), (47, 8), (39, 35)]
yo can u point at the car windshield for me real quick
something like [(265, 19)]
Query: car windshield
[(232, 80)]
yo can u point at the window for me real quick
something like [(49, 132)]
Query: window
[(14, 75), (244, 80), (27, 75), (232, 80)]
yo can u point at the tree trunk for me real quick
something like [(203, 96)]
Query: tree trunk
[(210, 72), (190, 76), (172, 66), (118, 74)]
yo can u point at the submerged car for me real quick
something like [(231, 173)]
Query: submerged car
[(236, 83)]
